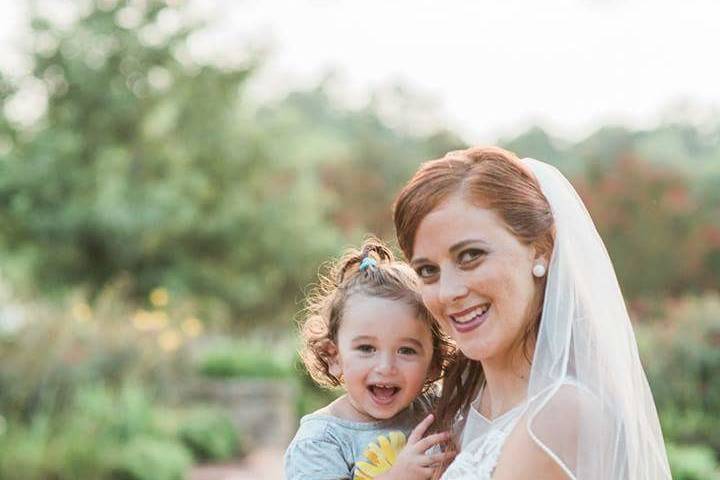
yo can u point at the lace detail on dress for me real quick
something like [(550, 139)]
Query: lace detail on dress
[(477, 461)]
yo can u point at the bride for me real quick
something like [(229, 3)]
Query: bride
[(548, 383)]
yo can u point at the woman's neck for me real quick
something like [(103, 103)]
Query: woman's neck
[(506, 384)]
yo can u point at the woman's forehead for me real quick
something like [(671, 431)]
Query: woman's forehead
[(457, 220)]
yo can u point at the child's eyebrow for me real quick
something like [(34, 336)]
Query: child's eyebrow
[(414, 341), (418, 261), (365, 338), (360, 338)]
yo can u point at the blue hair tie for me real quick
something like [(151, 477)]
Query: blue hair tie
[(368, 262)]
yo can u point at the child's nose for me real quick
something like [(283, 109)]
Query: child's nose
[(386, 365)]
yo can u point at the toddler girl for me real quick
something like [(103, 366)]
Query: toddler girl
[(367, 330)]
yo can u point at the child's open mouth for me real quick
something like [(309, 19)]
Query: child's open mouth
[(383, 394)]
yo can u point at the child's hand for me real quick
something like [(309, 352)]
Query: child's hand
[(412, 463)]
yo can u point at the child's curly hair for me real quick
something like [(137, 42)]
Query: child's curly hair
[(389, 279)]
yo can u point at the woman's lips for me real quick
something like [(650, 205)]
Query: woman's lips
[(470, 319)]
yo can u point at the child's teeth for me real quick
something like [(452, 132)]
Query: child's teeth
[(384, 391)]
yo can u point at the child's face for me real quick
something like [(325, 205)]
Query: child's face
[(383, 353)]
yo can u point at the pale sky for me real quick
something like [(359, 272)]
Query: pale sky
[(492, 67)]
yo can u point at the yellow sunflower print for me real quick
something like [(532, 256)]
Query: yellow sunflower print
[(380, 455)]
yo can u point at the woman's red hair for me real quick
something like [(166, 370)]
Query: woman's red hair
[(489, 177)]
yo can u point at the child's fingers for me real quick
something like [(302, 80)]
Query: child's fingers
[(438, 458), (431, 440), (420, 429)]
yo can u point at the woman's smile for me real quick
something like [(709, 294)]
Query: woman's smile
[(471, 318)]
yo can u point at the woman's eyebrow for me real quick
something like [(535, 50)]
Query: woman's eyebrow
[(463, 243), (454, 248)]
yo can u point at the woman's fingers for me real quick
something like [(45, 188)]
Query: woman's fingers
[(420, 429), (431, 440)]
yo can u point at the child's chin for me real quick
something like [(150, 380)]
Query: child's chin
[(385, 412)]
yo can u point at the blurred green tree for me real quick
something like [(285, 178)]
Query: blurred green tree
[(147, 162), (658, 231)]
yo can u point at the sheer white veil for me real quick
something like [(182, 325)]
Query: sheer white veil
[(589, 403)]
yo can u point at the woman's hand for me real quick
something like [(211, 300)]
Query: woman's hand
[(412, 462)]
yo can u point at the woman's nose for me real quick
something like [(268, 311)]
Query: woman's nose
[(451, 287)]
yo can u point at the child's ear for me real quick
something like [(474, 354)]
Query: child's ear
[(330, 353)]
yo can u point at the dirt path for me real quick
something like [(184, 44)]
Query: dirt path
[(265, 464)]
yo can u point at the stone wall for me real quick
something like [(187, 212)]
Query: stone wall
[(262, 410)]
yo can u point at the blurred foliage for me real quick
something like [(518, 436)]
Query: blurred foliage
[(245, 359), (663, 237), (693, 463), (153, 164), (59, 348), (681, 355), (693, 150), (209, 434), (111, 433), (150, 163), (147, 458)]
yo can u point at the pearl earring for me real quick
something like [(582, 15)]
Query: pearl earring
[(539, 270)]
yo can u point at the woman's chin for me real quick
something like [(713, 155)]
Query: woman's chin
[(476, 352)]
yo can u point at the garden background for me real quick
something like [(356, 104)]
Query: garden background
[(160, 224)]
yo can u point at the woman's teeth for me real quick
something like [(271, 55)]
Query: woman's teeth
[(468, 317), (471, 320)]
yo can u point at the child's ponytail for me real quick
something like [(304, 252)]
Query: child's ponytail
[(352, 262)]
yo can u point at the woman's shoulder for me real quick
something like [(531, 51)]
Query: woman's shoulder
[(548, 432), (564, 409)]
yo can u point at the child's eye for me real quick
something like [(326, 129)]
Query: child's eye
[(467, 256), (365, 348), (426, 271), (407, 351)]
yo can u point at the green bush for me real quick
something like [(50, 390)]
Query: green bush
[(693, 462), (23, 451), (681, 355), (104, 434), (209, 434), (148, 458), (246, 359), (65, 345)]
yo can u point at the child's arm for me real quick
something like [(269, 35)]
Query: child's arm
[(315, 459), (412, 463)]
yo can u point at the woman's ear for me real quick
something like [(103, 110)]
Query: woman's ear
[(539, 262)]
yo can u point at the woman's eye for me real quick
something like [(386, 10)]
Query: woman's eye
[(407, 351), (467, 256), (426, 271), (366, 348)]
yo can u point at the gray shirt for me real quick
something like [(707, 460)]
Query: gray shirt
[(326, 447)]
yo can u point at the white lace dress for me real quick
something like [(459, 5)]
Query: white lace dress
[(482, 442)]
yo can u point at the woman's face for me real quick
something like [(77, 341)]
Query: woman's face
[(477, 277)]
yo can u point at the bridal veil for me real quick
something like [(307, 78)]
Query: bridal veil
[(589, 404)]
